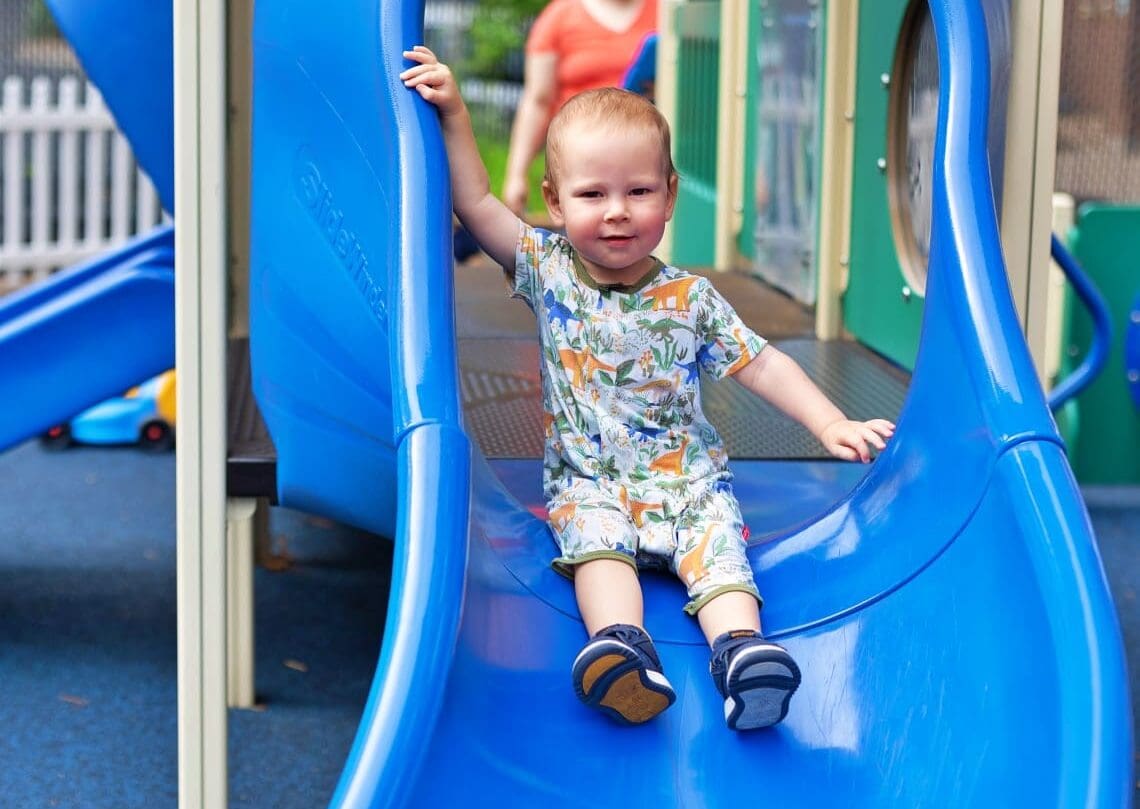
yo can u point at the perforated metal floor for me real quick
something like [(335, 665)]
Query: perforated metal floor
[(502, 398)]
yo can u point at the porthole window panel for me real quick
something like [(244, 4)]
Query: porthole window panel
[(913, 113)]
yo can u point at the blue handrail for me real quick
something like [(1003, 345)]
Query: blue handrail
[(1097, 356)]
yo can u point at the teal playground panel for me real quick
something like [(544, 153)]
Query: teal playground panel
[(695, 132), (1105, 444)]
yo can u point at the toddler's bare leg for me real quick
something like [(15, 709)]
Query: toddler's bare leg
[(618, 670), (609, 593), (756, 677), (729, 612)]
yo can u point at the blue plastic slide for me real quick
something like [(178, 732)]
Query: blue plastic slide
[(126, 47), (950, 613), (85, 334)]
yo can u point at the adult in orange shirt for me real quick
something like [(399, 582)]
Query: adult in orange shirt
[(574, 45)]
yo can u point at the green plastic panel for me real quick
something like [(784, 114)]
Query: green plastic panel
[(1106, 243), (695, 132), (875, 308)]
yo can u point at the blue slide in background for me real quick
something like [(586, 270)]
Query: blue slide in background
[(950, 614), (85, 334), (92, 331)]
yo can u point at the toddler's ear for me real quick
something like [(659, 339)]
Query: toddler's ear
[(553, 206), (674, 183)]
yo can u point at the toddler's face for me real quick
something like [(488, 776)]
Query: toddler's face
[(613, 198)]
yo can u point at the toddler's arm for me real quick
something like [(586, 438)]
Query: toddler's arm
[(779, 379), (491, 222)]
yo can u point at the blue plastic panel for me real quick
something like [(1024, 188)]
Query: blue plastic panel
[(126, 47), (339, 173)]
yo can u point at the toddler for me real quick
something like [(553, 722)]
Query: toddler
[(634, 474)]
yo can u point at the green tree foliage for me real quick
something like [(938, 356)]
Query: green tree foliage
[(38, 21), (498, 31)]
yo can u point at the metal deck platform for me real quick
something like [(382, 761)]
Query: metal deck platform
[(502, 398), (498, 357)]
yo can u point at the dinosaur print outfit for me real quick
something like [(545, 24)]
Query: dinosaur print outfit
[(632, 469)]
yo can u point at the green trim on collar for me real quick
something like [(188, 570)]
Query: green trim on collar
[(638, 285)]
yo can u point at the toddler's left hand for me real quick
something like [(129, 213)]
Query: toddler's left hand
[(433, 80), (853, 440)]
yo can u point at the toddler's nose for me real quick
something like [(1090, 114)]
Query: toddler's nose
[(616, 209)]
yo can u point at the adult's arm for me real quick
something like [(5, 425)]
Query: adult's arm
[(528, 133)]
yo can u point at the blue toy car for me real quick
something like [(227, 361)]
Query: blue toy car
[(144, 415)]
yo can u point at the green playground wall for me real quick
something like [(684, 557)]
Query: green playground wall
[(1104, 442)]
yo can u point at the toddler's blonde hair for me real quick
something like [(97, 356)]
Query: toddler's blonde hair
[(606, 107)]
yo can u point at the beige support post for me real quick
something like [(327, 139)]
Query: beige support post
[(836, 165), (1030, 155), (665, 88), (1064, 215), (200, 342), (732, 87), (240, 513)]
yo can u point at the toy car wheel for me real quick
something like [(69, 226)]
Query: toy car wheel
[(156, 436), (56, 438)]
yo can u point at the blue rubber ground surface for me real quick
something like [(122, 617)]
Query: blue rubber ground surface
[(87, 636), (87, 641)]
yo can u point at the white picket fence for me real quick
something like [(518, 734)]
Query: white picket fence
[(71, 186)]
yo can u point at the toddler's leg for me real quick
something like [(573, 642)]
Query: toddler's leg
[(731, 610), (608, 592), (618, 671), (756, 677)]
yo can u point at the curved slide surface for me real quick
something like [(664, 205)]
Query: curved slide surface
[(950, 614)]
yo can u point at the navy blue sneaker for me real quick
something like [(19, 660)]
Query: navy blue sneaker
[(618, 672), (756, 678)]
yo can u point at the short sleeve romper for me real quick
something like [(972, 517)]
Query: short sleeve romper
[(632, 469)]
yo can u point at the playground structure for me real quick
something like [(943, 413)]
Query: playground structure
[(888, 598)]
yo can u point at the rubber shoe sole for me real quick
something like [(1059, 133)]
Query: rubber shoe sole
[(760, 682), (612, 677)]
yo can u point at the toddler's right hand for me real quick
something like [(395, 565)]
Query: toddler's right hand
[(855, 440), (432, 80)]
